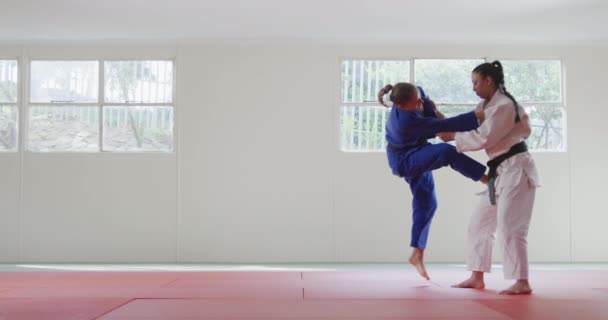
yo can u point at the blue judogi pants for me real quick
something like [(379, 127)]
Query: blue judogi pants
[(417, 170)]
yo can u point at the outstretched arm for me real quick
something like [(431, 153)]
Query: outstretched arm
[(432, 126)]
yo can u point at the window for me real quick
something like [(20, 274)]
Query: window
[(9, 128), (130, 109), (536, 84), (362, 121)]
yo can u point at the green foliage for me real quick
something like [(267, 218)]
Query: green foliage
[(8, 128), (533, 81), (363, 127), (447, 81), (125, 75), (8, 91), (547, 128)]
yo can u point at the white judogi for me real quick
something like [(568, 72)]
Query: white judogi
[(516, 186)]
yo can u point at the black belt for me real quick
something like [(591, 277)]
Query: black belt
[(494, 163)]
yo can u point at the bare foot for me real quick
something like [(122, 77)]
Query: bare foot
[(416, 260), (484, 179), (474, 282), (520, 287)]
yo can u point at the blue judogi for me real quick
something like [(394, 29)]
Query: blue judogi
[(412, 157)]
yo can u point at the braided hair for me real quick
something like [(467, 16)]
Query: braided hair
[(494, 71), (401, 93)]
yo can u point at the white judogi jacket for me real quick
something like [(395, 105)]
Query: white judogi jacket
[(497, 134), (515, 189)]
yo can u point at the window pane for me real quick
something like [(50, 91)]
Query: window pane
[(447, 80), (138, 129), (8, 128), (8, 81), (548, 128), (363, 128), (63, 128), (533, 80), (139, 81), (64, 81), (362, 79)]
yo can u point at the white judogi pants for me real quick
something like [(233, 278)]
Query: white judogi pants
[(515, 192)]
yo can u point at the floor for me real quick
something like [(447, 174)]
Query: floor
[(345, 291)]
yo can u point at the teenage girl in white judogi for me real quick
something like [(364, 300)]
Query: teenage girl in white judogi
[(508, 205)]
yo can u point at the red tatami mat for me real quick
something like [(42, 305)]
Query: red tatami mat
[(57, 309), (362, 309), (368, 294)]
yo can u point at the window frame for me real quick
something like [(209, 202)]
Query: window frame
[(99, 104)]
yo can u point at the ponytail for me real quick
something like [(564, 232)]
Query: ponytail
[(387, 88), (503, 89), (401, 93)]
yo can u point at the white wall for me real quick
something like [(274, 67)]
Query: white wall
[(255, 161), (587, 153), (257, 175)]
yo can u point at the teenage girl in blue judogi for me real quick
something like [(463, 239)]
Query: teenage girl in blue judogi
[(413, 120)]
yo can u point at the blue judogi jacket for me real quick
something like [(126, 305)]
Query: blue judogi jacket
[(408, 131)]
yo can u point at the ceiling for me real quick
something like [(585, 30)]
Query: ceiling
[(335, 21)]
